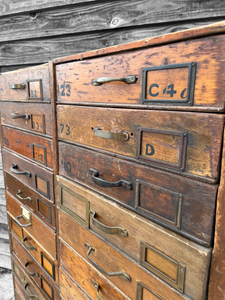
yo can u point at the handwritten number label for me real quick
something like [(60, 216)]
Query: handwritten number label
[(183, 94), (169, 90), (64, 90), (67, 128), (66, 165), (151, 91), (149, 150), (33, 93), (1, 90), (6, 141)]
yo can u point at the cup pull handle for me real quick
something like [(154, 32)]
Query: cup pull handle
[(27, 294), (120, 273), (97, 287), (20, 224), (111, 135), (15, 166), (31, 274), (107, 229), (28, 247), (16, 116), (21, 198), (128, 79), (17, 86), (105, 184)]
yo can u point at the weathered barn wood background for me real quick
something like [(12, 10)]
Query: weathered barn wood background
[(35, 32)]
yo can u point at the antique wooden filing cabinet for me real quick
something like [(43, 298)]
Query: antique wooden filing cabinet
[(114, 171)]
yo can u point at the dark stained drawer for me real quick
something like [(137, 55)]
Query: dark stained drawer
[(187, 143), (35, 147), (182, 75), (39, 205), (182, 204), (33, 116), (34, 226), (31, 84), (38, 178)]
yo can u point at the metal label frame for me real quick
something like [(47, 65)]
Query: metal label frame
[(41, 286), (14, 272), (43, 121), (21, 229), (49, 219), (40, 87), (140, 287), (52, 264), (190, 85), (183, 148), (47, 183), (177, 222), (45, 154), (178, 284), (83, 222)]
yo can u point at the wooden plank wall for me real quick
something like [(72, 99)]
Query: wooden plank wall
[(35, 32)]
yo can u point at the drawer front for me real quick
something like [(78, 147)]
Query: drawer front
[(182, 142), (181, 76), (32, 269), (40, 206), (167, 266), (181, 204), (31, 84), (33, 117), (38, 178), (35, 227), (32, 146)]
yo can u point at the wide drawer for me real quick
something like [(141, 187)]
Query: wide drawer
[(38, 178), (188, 143), (34, 226), (33, 116), (182, 204), (174, 265), (35, 147), (39, 205), (37, 274), (30, 84), (176, 76)]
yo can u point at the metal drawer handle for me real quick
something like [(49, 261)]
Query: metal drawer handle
[(97, 287), (28, 247), (128, 79), (103, 183), (21, 198), (107, 229), (15, 166), (28, 295), (31, 274), (20, 224), (16, 116), (111, 135), (120, 273), (17, 86)]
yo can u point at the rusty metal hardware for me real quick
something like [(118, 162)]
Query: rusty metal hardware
[(28, 247), (103, 183), (21, 198), (120, 273), (97, 287), (107, 229), (15, 166), (17, 86), (140, 287), (128, 79), (16, 116), (26, 215), (111, 135), (31, 274), (27, 294)]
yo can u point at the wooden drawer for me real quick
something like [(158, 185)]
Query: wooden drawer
[(37, 274), (34, 226), (38, 178), (33, 117), (40, 206), (177, 76), (174, 265), (184, 205), (188, 143), (30, 84), (31, 146)]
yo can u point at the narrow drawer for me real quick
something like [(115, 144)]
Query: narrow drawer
[(187, 143), (33, 116), (33, 226), (30, 84), (176, 76), (174, 265), (184, 205), (37, 275), (32, 146), (39, 205), (38, 178)]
